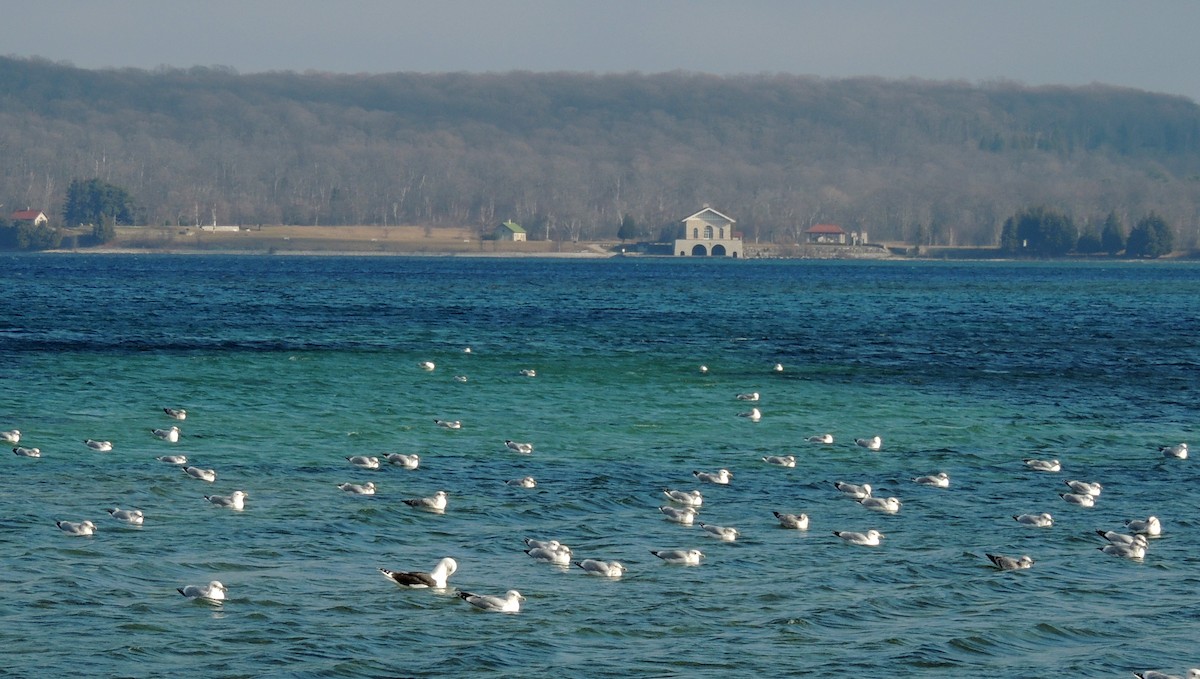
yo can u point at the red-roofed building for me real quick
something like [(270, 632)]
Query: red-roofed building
[(827, 233), (35, 217)]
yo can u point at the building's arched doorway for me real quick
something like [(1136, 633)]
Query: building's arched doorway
[(699, 251), (718, 250)]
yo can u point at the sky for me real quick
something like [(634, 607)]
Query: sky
[(1151, 45)]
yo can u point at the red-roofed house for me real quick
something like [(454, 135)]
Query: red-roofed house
[(827, 233), (36, 217)]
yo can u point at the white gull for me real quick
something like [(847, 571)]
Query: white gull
[(100, 446), (608, 569), (1133, 550), (176, 413), (209, 475), (683, 497), (797, 521), (1043, 520), (435, 578), (367, 488), (781, 460), (518, 447), (11, 436), (687, 557), (870, 538), (364, 461), (434, 503), (524, 482), (426, 365), (721, 532), (820, 438), (213, 591), (76, 528), (754, 415), (1148, 526), (170, 435), (684, 515), (1043, 465), (855, 491), (752, 396), (405, 461), (235, 501), (22, 451), (938, 480), (719, 477), (133, 516), (873, 443), (890, 505), (1085, 488), (509, 603), (558, 557), (172, 459), (1193, 673), (1079, 499), (448, 424), (1008, 563), (1178, 451), (1123, 538)]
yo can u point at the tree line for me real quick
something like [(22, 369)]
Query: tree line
[(576, 156)]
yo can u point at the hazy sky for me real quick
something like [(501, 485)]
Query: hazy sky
[(1147, 44)]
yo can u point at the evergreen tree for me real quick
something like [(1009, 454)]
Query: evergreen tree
[(1040, 232), (1152, 237), (1089, 242), (628, 229), (1112, 236), (87, 201)]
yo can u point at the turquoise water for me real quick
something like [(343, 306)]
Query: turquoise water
[(288, 365)]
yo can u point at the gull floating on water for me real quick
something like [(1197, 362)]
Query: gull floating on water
[(1085, 488), (719, 477), (687, 557), (754, 415), (855, 491), (509, 603), (133, 516), (449, 424), (608, 569), (172, 459), (406, 461), (426, 365), (938, 480), (684, 515), (873, 443), (1043, 520), (367, 488), (76, 528), (781, 460), (1178, 451), (524, 482), (703, 370), (797, 521), (213, 591), (545, 544), (820, 438), (170, 435), (870, 538), (683, 497), (22, 451), (11, 436), (364, 461), (1133, 550), (1079, 499), (435, 578), (1043, 465), (236, 501), (559, 557), (460, 378), (518, 447), (1149, 526), (528, 372), (466, 350), (1123, 538), (101, 446), (890, 505), (209, 475), (434, 503), (752, 396), (1193, 673), (176, 413), (722, 532), (1008, 563), (778, 368)]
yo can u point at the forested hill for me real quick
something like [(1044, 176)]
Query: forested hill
[(569, 155)]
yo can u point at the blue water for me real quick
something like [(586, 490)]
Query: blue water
[(287, 365)]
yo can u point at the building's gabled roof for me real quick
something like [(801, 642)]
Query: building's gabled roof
[(712, 211), (825, 229), (27, 215), (513, 226)]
